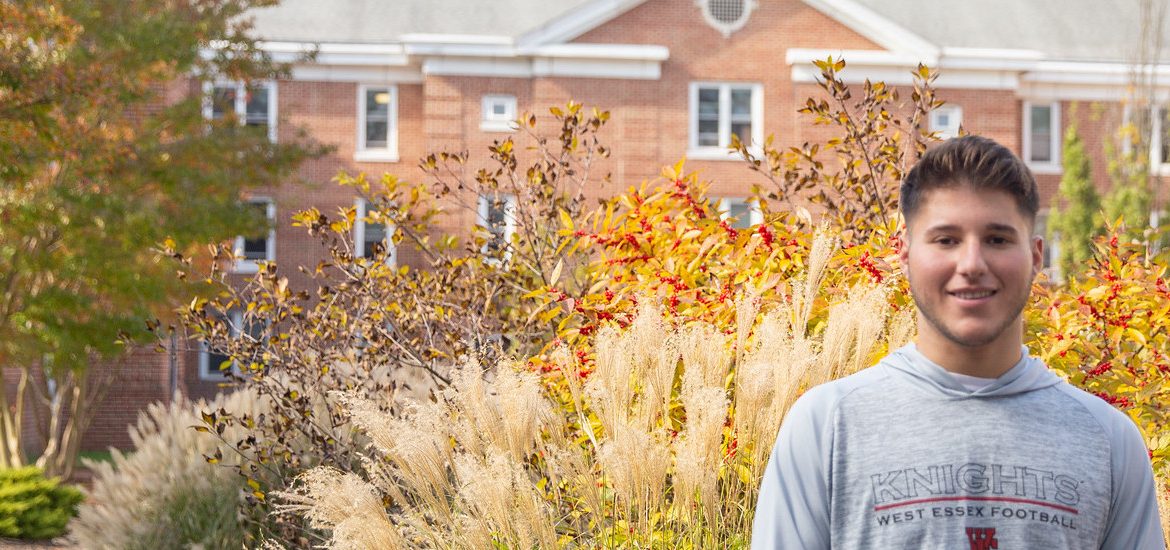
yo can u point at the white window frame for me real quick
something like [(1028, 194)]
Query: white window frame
[(244, 265), (955, 113), (721, 151), (361, 207), (1053, 166), (483, 213), (1158, 165), (1051, 246), (241, 105), (755, 216), (490, 121), (389, 153), (209, 372)]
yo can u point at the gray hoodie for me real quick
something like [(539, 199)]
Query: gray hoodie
[(901, 455)]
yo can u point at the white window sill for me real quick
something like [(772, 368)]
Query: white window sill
[(374, 155), (245, 267), (1162, 169), (1046, 169), (719, 153), (497, 126)]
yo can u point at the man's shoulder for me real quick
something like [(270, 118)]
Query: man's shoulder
[(1112, 420), (820, 401)]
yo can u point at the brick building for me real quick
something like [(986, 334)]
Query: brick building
[(393, 81)]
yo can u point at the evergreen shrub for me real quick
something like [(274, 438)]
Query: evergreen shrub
[(33, 506)]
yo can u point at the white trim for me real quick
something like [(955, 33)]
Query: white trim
[(1053, 165), (357, 75), (361, 207), (389, 153), (489, 121), (721, 151), (510, 67), (613, 52), (337, 53), (874, 26), (954, 113), (244, 265), (577, 22), (235, 323)]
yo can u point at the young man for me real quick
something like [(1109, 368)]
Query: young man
[(962, 440)]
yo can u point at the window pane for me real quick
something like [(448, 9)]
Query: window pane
[(375, 240), (709, 132), (377, 103), (218, 364), (499, 109), (708, 103), (256, 246), (1041, 138), (256, 109), (223, 101), (742, 212), (1164, 115), (376, 131), (741, 102), (743, 130)]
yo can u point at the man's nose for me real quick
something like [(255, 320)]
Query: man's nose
[(971, 261)]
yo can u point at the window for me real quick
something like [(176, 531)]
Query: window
[(254, 106), (719, 111), (497, 214), (499, 113), (1042, 136), (1051, 252), (1160, 141), (727, 16), (250, 249), (377, 138), (372, 240), (946, 121), (213, 362), (745, 214)]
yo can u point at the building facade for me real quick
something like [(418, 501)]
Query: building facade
[(394, 81)]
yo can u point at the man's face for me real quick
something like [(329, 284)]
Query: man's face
[(970, 258)]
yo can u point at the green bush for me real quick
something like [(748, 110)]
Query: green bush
[(33, 507)]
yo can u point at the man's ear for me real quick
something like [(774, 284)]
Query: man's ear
[(904, 251), (1037, 254)]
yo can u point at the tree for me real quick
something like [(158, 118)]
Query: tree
[(1078, 221), (99, 166)]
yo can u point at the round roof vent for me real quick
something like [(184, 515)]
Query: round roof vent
[(726, 16)]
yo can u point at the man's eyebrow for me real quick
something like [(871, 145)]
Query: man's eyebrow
[(998, 227)]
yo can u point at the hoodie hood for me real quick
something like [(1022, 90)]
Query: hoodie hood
[(1029, 374)]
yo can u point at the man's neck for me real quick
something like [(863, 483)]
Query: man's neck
[(989, 361)]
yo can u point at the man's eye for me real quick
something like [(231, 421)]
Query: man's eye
[(946, 241), (998, 240)]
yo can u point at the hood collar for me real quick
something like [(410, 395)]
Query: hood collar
[(1028, 374)]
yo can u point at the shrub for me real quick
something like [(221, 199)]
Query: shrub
[(33, 507), (166, 494)]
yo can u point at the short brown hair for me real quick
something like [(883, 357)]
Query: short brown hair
[(974, 161)]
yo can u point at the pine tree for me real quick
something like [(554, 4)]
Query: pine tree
[(1076, 210)]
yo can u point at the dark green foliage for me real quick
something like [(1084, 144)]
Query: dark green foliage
[(33, 507), (1078, 219)]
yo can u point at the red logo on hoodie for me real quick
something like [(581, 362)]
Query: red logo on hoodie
[(982, 538)]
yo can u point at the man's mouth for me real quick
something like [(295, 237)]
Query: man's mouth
[(971, 294)]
